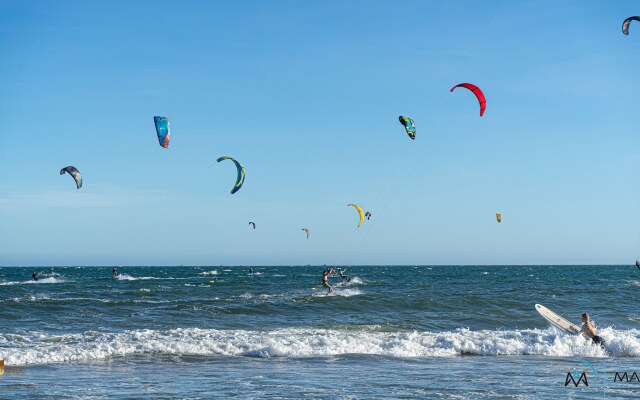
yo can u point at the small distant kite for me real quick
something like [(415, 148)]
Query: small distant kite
[(476, 90), (409, 126), (253, 224), (163, 130), (498, 217), (627, 22), (368, 215), (240, 178), (75, 174), (360, 213), (306, 230)]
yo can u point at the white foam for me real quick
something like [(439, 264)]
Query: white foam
[(337, 291), (31, 281), (214, 272), (346, 292), (30, 299), (42, 348), (126, 277), (353, 281)]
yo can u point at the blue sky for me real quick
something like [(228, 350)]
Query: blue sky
[(307, 95)]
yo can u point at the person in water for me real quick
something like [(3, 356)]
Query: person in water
[(34, 276), (590, 330), (325, 279), (250, 270), (114, 273), (638, 263), (344, 276)]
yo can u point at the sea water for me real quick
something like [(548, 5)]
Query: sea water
[(449, 332)]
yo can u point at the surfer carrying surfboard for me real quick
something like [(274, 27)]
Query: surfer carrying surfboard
[(590, 330)]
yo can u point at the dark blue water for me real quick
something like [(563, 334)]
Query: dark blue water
[(391, 332)]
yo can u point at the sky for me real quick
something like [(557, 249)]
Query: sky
[(307, 96)]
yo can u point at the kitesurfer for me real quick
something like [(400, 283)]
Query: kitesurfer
[(114, 273), (325, 279), (250, 270), (590, 330), (34, 276), (638, 264), (344, 276)]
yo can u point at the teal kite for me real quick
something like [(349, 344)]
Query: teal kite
[(240, 178), (163, 130), (409, 126)]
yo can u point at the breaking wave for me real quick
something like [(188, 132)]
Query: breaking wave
[(42, 348)]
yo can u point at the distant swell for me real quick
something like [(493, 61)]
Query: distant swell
[(300, 343)]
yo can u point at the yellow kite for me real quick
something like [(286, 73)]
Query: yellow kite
[(357, 207)]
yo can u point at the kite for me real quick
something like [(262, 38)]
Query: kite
[(360, 212), (627, 22), (75, 174), (163, 130), (306, 230), (240, 178), (409, 126), (476, 90), (253, 224)]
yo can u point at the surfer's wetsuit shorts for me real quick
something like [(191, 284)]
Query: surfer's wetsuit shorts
[(598, 340), (325, 284)]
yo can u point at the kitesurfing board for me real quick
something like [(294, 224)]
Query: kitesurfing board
[(557, 321)]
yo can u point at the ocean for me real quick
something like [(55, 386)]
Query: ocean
[(391, 332)]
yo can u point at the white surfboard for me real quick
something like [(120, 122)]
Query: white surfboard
[(557, 321)]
